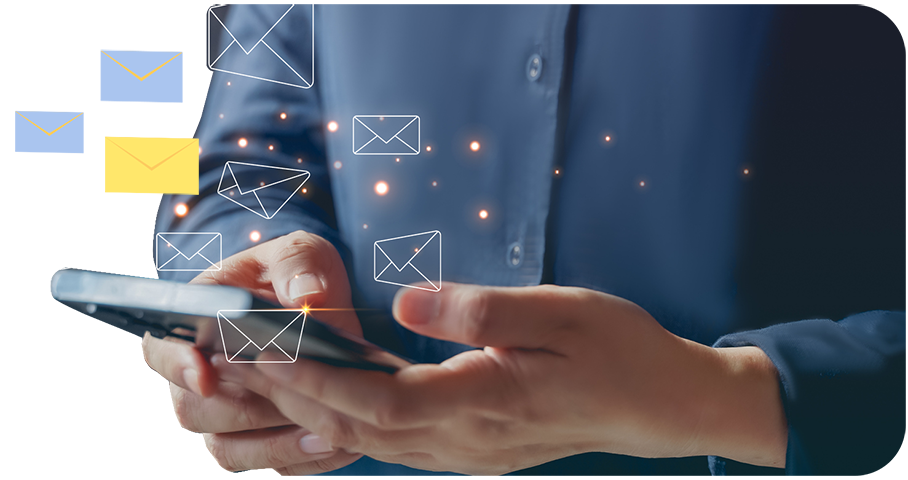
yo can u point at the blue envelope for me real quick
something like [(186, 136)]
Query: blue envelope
[(57, 132), (141, 76)]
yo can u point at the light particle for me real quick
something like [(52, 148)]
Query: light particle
[(242, 142), (305, 190), (474, 146), (270, 147), (397, 160), (642, 183), (365, 226), (434, 184), (381, 188), (746, 171), (608, 138), (338, 165), (332, 126), (283, 116), (221, 115), (299, 160), (181, 210), (255, 235), (429, 148), (483, 214)]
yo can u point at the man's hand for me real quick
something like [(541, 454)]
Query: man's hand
[(244, 430), (564, 371)]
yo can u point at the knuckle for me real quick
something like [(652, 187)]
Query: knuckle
[(338, 432), (245, 415), (218, 449), (477, 307), (326, 464), (274, 449), (392, 411), (184, 406), (310, 247)]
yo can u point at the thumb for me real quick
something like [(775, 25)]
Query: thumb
[(517, 317), (306, 271)]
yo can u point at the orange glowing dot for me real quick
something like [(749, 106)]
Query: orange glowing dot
[(255, 235), (283, 116), (483, 214), (434, 184), (381, 188), (200, 150), (261, 184), (365, 226), (338, 165), (299, 160), (181, 210), (332, 126), (381, 119), (397, 160), (608, 138), (270, 147), (242, 142), (642, 183), (429, 148), (228, 84), (306, 309), (474, 146), (746, 171), (415, 249), (305, 190), (557, 172)]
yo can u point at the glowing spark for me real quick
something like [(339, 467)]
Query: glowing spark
[(474, 146), (255, 236), (242, 142), (181, 210), (381, 188), (332, 126), (483, 214)]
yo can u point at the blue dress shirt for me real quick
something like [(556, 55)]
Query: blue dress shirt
[(734, 170)]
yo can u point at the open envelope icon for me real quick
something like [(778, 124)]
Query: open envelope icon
[(187, 251), (151, 165), (409, 259), (386, 135), (243, 340), (261, 189), (141, 76), (58, 132), (270, 43)]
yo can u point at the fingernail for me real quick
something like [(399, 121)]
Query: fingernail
[(191, 379), (312, 443), (303, 285), (421, 307)]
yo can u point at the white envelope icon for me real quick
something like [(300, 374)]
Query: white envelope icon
[(244, 340), (409, 259), (187, 251), (386, 135), (260, 188), (255, 49)]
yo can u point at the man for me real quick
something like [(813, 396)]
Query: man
[(682, 173)]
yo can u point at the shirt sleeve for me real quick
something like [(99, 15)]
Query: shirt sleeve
[(843, 390), (282, 127)]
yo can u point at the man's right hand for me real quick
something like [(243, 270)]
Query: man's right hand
[(243, 430)]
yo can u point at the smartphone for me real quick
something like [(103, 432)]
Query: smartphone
[(215, 317)]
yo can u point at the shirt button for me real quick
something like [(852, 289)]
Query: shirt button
[(515, 255), (534, 67)]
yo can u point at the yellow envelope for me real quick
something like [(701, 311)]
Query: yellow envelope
[(151, 165)]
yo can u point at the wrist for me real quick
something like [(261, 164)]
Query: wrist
[(743, 413)]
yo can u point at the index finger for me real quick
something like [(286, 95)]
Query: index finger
[(180, 363)]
